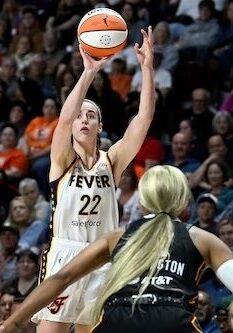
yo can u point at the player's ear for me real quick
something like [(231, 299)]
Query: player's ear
[(100, 128)]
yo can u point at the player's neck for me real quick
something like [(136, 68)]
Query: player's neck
[(88, 157)]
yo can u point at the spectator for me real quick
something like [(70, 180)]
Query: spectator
[(217, 146), (225, 231), (127, 196), (226, 213), (64, 22), (163, 45), (227, 104), (223, 125), (29, 189), (222, 46), (9, 236), (4, 36), (151, 153), (30, 26), (65, 83), (12, 160), (17, 116), (214, 288), (53, 54), (37, 73), (4, 102), (217, 150), (102, 93), (223, 319), (206, 211), (216, 175), (180, 149), (198, 150), (119, 77), (7, 193), (20, 88), (36, 143), (33, 233), (199, 36), (10, 11), (162, 78), (8, 74), (205, 313), (134, 24), (23, 54), (6, 303), (74, 63), (188, 8), (200, 114), (27, 269)]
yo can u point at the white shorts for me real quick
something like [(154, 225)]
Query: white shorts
[(75, 303)]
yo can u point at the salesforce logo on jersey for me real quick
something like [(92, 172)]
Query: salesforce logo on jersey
[(86, 224)]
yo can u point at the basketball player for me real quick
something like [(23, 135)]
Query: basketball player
[(83, 181), (156, 265)]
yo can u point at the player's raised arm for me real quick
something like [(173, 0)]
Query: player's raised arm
[(125, 150), (62, 152)]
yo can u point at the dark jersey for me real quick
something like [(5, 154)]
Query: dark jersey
[(179, 273)]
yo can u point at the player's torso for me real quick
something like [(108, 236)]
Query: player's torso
[(84, 202), (180, 271)]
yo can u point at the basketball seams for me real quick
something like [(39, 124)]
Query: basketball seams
[(102, 23), (100, 11), (105, 47)]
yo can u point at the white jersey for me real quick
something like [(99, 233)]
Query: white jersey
[(84, 207), (84, 204)]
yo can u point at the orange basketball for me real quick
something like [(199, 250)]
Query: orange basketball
[(102, 32)]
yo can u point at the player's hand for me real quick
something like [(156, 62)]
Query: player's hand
[(91, 63), (145, 53), (7, 327)]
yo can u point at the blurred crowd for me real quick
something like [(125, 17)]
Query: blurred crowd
[(192, 128)]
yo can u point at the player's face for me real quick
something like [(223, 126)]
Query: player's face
[(87, 124)]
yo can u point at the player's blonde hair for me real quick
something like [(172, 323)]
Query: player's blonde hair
[(163, 190)]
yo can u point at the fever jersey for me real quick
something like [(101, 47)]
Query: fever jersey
[(84, 204), (180, 272)]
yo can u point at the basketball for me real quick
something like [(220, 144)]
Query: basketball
[(102, 32)]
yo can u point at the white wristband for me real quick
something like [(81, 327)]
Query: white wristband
[(225, 274)]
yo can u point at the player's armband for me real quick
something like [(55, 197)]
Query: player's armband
[(225, 274)]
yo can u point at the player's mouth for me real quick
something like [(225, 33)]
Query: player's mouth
[(84, 129)]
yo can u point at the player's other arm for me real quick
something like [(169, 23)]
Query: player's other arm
[(95, 255), (217, 255), (125, 150)]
